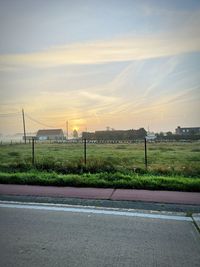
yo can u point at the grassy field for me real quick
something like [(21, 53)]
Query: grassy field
[(177, 162)]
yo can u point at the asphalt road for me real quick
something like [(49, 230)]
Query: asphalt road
[(138, 205), (36, 237)]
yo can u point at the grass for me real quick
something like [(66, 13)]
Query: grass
[(171, 166), (105, 180)]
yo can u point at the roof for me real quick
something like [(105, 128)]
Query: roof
[(188, 127), (50, 132)]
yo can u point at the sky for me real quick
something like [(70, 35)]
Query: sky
[(125, 64)]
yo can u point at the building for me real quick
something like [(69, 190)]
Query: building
[(187, 130), (115, 135), (150, 136), (50, 134)]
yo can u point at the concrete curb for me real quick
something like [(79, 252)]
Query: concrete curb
[(187, 198), (196, 218)]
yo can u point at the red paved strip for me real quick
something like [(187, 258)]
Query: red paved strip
[(101, 193), (53, 191), (157, 196)]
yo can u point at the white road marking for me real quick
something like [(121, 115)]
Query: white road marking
[(95, 211), (197, 218)]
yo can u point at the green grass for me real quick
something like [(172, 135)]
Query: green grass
[(105, 180), (176, 157), (172, 166)]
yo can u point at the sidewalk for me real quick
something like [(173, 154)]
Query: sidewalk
[(101, 193)]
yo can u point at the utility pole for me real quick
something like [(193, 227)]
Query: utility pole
[(24, 126), (67, 129)]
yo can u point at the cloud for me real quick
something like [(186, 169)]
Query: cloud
[(103, 102), (181, 40)]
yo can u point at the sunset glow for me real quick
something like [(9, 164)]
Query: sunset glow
[(123, 64)]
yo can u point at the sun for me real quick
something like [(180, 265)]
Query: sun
[(76, 128)]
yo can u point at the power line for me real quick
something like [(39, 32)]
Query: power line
[(12, 114), (9, 114), (41, 123)]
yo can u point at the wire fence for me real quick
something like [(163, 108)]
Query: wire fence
[(126, 154)]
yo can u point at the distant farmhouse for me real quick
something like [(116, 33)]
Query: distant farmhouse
[(115, 134), (50, 134), (187, 130), (150, 136)]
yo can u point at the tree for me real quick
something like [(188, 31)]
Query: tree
[(169, 134), (75, 133), (141, 133), (161, 135)]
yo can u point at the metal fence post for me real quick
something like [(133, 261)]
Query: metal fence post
[(145, 152), (85, 155), (33, 151)]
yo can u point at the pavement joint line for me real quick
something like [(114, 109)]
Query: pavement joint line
[(194, 219), (112, 193), (95, 211)]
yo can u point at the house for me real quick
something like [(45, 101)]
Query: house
[(50, 134), (187, 130), (150, 136), (115, 134)]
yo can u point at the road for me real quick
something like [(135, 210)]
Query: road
[(48, 235)]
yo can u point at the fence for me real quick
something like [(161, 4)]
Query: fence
[(85, 141), (124, 154)]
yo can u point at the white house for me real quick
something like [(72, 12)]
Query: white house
[(150, 136), (50, 134)]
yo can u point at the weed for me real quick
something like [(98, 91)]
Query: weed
[(189, 214), (166, 159), (13, 154), (105, 180), (121, 147), (195, 150)]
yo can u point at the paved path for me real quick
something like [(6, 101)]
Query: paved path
[(49, 236), (101, 193)]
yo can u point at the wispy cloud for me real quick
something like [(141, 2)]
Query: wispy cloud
[(115, 50), (118, 98), (142, 69)]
